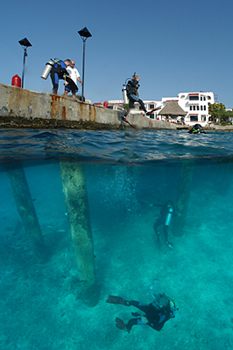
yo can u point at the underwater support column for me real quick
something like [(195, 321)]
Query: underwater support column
[(74, 188), (24, 204), (184, 188)]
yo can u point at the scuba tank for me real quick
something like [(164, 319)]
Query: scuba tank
[(124, 93), (169, 216), (47, 68)]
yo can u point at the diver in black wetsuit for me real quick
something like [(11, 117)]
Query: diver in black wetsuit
[(155, 314), (132, 92)]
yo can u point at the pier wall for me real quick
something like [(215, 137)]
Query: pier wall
[(20, 108)]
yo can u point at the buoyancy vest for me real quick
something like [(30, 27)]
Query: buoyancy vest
[(132, 87), (60, 69)]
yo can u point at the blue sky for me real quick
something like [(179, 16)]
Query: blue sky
[(175, 46)]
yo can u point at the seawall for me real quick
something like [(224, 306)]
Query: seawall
[(20, 108)]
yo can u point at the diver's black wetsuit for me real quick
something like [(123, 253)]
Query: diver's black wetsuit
[(57, 72), (156, 315), (132, 94)]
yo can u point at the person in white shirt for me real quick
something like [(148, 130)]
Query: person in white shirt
[(75, 76)]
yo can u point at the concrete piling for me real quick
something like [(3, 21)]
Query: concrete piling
[(24, 204)]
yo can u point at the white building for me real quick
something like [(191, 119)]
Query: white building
[(196, 104)]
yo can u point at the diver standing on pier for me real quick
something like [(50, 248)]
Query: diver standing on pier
[(58, 71)]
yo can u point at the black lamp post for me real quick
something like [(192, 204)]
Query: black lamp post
[(84, 33), (25, 43)]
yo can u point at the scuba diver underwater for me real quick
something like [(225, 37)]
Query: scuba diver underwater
[(163, 223), (154, 314)]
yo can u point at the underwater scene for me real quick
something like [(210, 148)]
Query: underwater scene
[(116, 240)]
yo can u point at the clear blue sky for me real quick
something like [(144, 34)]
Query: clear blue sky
[(175, 46)]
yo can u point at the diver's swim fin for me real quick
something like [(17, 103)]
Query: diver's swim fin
[(120, 323), (112, 299)]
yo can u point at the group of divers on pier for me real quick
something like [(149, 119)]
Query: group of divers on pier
[(66, 70)]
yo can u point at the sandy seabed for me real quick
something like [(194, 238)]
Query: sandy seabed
[(40, 307)]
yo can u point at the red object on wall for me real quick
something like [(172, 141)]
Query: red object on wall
[(16, 81), (105, 104)]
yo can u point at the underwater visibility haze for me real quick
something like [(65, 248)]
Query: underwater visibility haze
[(82, 218)]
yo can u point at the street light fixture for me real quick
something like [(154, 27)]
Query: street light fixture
[(25, 43), (84, 33)]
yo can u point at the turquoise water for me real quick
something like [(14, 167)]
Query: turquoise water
[(128, 177)]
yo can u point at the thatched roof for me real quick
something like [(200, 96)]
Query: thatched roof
[(172, 108)]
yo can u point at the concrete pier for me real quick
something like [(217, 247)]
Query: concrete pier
[(20, 108)]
